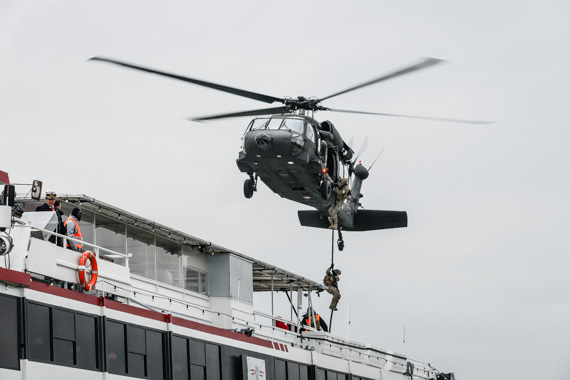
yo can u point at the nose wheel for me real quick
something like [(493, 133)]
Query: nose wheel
[(249, 186)]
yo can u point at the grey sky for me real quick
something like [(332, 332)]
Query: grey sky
[(480, 276)]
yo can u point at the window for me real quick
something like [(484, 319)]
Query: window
[(110, 234), (320, 374), (134, 351), (202, 363), (141, 244), (294, 125), (115, 347), (39, 337), (62, 336), (259, 124), (310, 133), (274, 123), (167, 261), (292, 371), (280, 370), (195, 280), (9, 357), (303, 372)]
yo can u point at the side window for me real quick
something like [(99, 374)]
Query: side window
[(280, 370), (134, 351), (39, 338), (62, 336), (292, 371), (311, 133), (9, 342), (192, 359)]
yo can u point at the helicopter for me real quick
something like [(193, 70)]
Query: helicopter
[(302, 159)]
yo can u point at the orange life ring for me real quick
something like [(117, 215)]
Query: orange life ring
[(87, 255)]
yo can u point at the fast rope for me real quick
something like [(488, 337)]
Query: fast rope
[(332, 268)]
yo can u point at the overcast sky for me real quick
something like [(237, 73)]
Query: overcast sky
[(480, 276)]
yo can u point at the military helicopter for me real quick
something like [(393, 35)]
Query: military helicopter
[(292, 153)]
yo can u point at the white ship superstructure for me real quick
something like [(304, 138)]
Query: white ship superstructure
[(166, 305)]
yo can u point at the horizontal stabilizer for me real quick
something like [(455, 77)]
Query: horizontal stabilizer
[(364, 220)]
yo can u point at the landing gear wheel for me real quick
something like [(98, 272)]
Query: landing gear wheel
[(326, 190), (248, 188)]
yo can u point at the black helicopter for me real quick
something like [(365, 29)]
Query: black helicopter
[(291, 152)]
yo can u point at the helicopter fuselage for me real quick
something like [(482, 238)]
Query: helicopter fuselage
[(286, 153)]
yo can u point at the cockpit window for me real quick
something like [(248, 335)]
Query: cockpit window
[(294, 125), (259, 124), (310, 133), (274, 123)]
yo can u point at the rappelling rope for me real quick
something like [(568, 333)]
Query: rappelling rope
[(332, 266), (332, 249)]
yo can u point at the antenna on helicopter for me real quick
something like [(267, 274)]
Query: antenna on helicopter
[(382, 151)]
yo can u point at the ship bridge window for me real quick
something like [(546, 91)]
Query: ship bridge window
[(110, 234), (141, 244), (294, 125), (167, 261)]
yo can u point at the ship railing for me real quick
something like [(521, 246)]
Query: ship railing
[(106, 253)]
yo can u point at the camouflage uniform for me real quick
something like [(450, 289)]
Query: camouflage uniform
[(342, 192), (331, 282)]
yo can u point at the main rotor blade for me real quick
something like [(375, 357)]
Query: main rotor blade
[(418, 66), (219, 87), (264, 111), (412, 117)]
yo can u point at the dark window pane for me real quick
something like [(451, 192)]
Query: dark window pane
[(293, 371), (136, 365), (179, 358), (331, 375), (197, 372), (280, 370), (320, 374), (86, 341), (303, 372), (63, 324), (136, 340), (197, 353), (154, 358), (213, 362), (115, 347), (38, 332), (63, 351), (9, 332)]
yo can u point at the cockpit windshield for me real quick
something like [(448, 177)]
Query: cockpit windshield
[(258, 124), (294, 125)]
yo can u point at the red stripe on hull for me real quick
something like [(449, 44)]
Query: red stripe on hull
[(15, 278), (24, 279)]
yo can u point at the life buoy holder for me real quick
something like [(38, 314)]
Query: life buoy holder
[(87, 256)]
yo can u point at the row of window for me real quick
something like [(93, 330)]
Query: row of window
[(153, 256), (75, 339)]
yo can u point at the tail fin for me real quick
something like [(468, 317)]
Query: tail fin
[(364, 220)]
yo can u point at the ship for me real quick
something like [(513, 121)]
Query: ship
[(141, 300)]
